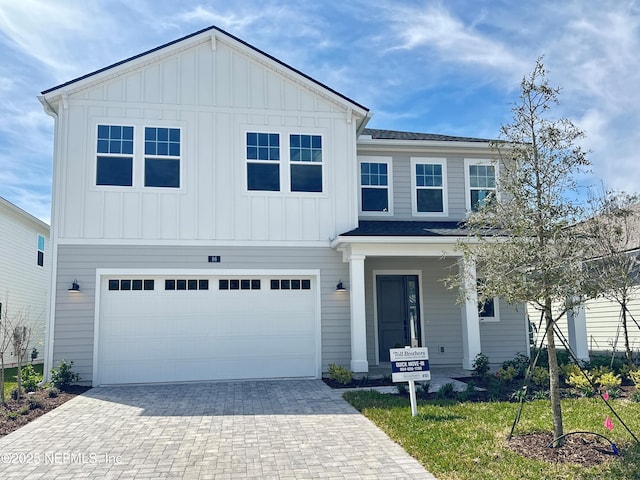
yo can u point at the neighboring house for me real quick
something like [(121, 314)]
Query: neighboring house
[(25, 266), (225, 216)]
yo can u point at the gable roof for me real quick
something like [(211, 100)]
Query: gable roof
[(24, 215), (377, 134), (213, 29)]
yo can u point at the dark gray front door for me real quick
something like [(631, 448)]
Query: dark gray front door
[(398, 312)]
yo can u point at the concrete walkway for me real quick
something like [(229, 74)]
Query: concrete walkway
[(289, 429)]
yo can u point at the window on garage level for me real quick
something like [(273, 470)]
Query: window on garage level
[(114, 149), (128, 284), (263, 161), (305, 156), (162, 157)]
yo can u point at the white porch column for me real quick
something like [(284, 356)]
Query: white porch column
[(470, 318), (577, 329), (359, 361)]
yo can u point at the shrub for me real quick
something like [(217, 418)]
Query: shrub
[(422, 390), (12, 415), (53, 392), (635, 396), (15, 393), (481, 365), (541, 395), (609, 380), (30, 378), (467, 393), (34, 403), (403, 389), (634, 375), (520, 363), (581, 383), (507, 374), (447, 391), (339, 374), (569, 369), (540, 377), (62, 377)]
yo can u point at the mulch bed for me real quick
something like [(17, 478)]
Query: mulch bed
[(25, 415), (580, 448)]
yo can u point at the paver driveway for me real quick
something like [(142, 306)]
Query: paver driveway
[(289, 429)]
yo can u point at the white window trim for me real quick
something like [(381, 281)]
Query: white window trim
[(467, 181), (284, 162), (137, 180), (180, 157), (496, 313), (414, 187), (389, 163)]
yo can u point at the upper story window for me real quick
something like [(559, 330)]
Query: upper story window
[(40, 251), (263, 161), (162, 157), (306, 163), (302, 157), (480, 180), (429, 186), (375, 186), (114, 155)]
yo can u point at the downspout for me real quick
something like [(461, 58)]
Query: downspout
[(49, 330)]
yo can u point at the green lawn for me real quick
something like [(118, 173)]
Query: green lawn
[(468, 440), (10, 377)]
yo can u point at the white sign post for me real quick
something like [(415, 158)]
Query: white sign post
[(408, 365)]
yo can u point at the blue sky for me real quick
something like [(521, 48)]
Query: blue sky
[(451, 67)]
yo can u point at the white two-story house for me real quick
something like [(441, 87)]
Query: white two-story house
[(218, 214), (25, 267)]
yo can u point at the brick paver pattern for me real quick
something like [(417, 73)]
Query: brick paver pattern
[(285, 429)]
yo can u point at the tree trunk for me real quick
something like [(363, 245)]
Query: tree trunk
[(627, 348), (554, 376), (2, 378)]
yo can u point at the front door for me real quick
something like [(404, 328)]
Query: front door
[(398, 312)]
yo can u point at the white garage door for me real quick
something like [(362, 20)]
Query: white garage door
[(187, 328)]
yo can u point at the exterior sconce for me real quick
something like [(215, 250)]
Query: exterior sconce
[(340, 287), (74, 286)]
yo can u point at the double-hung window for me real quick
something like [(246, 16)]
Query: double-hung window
[(429, 182), (114, 155), (305, 156), (375, 185), (162, 157), (40, 258), (263, 161), (480, 179), (488, 309)]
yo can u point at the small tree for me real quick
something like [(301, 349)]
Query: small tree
[(20, 339), (521, 238), (615, 232), (6, 339)]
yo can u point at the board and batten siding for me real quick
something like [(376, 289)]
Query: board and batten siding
[(75, 312), (402, 190), (23, 283), (214, 96), (442, 314)]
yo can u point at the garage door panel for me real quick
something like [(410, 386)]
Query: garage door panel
[(165, 336)]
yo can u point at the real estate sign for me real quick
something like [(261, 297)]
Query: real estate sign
[(410, 364)]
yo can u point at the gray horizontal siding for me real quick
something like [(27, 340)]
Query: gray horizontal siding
[(75, 313), (442, 315)]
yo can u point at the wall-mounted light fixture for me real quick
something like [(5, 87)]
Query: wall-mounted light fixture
[(340, 287), (74, 286)]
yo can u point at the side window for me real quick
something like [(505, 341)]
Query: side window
[(480, 179), (305, 156), (263, 161), (488, 310), (374, 186), (40, 259), (429, 182), (162, 157), (114, 151)]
